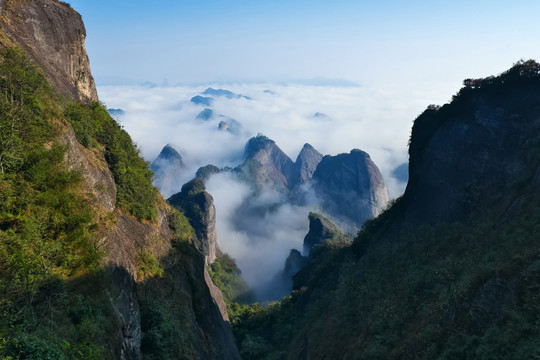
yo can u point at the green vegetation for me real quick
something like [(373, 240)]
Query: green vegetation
[(48, 259), (226, 276), (446, 291), (169, 300), (412, 289), (148, 265), (94, 127)]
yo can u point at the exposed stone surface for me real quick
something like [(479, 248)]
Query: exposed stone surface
[(350, 187), (217, 296), (477, 145), (198, 206), (53, 34), (229, 125), (167, 167), (265, 165), (321, 230), (94, 168), (306, 163)]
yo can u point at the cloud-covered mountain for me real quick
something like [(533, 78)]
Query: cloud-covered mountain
[(167, 168)]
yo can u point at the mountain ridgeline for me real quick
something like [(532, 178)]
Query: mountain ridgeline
[(348, 187), (451, 269)]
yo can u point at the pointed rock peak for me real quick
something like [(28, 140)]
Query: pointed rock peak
[(306, 163), (169, 153), (206, 171), (321, 231), (206, 114), (308, 149), (256, 144), (201, 100)]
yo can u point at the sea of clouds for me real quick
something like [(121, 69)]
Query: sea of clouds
[(376, 120)]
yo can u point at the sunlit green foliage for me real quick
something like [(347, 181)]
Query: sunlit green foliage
[(94, 127), (46, 227), (226, 276)]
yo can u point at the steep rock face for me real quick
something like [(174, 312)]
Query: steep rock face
[(266, 165), (321, 231), (459, 248), (198, 206), (97, 176), (52, 34), (350, 186), (473, 147), (294, 262), (167, 167), (306, 163)]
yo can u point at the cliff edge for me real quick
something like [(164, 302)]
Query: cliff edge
[(53, 35)]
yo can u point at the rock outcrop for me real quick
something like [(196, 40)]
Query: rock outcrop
[(205, 115), (350, 186), (202, 100), (198, 206), (53, 35), (167, 167), (306, 164), (265, 165), (206, 171), (473, 147), (322, 231)]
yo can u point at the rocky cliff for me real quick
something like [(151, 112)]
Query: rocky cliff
[(451, 269), (350, 187), (198, 206), (265, 165), (139, 255), (322, 231), (53, 35), (167, 168), (473, 147), (306, 164)]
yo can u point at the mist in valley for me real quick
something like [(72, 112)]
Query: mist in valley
[(259, 228)]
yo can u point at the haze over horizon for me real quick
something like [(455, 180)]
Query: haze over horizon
[(370, 68), (387, 42)]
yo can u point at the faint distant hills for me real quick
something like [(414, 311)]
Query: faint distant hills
[(212, 93), (322, 81), (116, 112), (226, 93)]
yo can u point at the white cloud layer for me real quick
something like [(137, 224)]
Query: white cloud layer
[(377, 121)]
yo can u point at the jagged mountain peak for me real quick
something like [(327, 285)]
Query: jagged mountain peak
[(256, 144), (170, 153), (351, 187), (306, 163)]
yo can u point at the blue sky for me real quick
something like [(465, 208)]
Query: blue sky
[(363, 41)]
